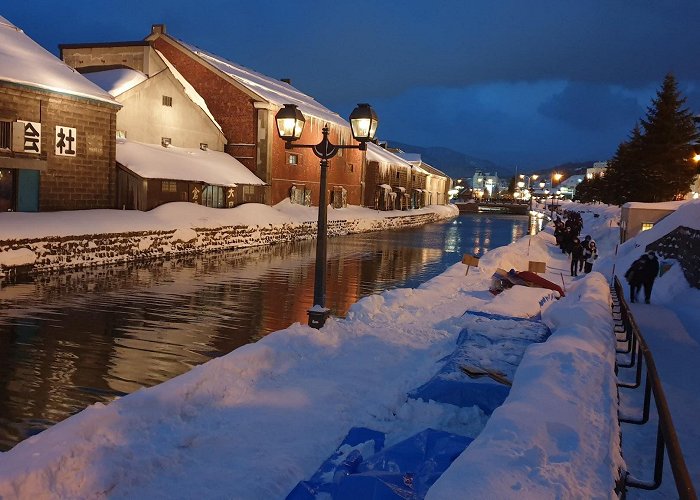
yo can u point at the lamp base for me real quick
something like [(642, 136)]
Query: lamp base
[(318, 317)]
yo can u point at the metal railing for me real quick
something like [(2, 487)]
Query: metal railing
[(666, 437)]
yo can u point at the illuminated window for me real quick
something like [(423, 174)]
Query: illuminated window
[(293, 159), (647, 225), (121, 134), (168, 186), (167, 101)]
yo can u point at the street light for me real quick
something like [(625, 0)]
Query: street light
[(290, 124)]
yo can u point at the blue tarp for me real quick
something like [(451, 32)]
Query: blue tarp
[(404, 470), (486, 342)]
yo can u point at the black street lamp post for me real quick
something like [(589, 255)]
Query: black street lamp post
[(290, 124)]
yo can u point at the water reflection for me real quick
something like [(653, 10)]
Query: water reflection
[(69, 340)]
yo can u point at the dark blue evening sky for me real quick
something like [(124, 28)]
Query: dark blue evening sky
[(531, 84)]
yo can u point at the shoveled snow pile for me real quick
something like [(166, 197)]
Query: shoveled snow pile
[(254, 423), (183, 215)]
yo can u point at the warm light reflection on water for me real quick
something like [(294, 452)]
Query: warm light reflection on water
[(70, 340)]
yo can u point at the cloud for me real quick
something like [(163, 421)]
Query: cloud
[(529, 124), (593, 106)]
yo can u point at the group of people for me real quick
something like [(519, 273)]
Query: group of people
[(642, 273), (582, 253)]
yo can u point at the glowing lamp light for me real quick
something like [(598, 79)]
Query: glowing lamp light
[(696, 157), (363, 122), (542, 184), (521, 184), (290, 122)]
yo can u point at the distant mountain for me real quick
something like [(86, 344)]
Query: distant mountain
[(568, 169), (453, 163)]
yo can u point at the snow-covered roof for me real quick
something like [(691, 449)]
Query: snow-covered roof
[(665, 205), (116, 81), (270, 89), (25, 62), (381, 155), (152, 161), (410, 157)]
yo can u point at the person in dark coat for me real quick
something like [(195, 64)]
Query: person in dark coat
[(585, 243), (649, 274), (635, 276), (576, 256)]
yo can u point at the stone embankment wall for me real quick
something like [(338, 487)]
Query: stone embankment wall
[(682, 244), (74, 252)]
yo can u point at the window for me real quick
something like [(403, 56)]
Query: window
[(647, 225), (213, 197), (5, 135), (168, 186), (293, 159), (167, 101), (121, 134), (398, 175), (352, 167)]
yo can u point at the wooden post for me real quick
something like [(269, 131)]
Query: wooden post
[(470, 260)]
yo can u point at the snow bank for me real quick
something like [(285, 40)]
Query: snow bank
[(18, 257), (255, 422), (555, 436)]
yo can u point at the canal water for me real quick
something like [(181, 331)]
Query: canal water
[(72, 339)]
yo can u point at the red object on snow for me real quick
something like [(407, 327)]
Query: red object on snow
[(539, 281)]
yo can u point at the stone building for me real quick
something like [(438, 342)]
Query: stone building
[(57, 131), (389, 180)]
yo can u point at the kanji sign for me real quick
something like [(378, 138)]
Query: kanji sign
[(66, 141), (27, 137)]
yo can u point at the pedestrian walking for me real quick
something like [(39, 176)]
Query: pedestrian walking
[(576, 256), (635, 276), (649, 274), (590, 253)]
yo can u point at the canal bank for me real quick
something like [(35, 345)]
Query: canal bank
[(254, 423), (44, 242), (79, 337)]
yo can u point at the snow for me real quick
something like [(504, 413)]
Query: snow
[(665, 205), (253, 423), (271, 90), (17, 257), (152, 161), (381, 155), (116, 81), (177, 215), (25, 62)]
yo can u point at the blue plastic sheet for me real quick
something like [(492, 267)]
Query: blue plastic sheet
[(487, 342), (404, 470)]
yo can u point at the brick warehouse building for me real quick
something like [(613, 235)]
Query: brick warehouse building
[(244, 103), (57, 132)]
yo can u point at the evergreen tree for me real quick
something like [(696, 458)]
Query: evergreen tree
[(666, 146), (655, 163), (624, 177)]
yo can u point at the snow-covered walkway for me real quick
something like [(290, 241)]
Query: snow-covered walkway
[(675, 344)]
